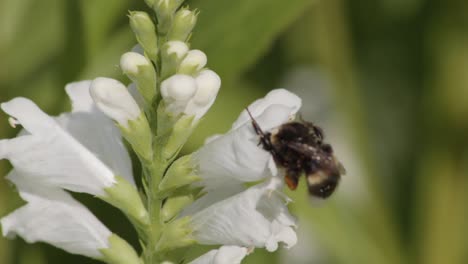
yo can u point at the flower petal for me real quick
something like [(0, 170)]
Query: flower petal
[(78, 92), (50, 153), (231, 158), (208, 84), (53, 216), (275, 97), (257, 217), (237, 156), (223, 255), (113, 99), (29, 116), (96, 132), (212, 197)]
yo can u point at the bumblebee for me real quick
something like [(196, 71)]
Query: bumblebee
[(298, 147)]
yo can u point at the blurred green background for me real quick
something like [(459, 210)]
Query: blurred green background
[(387, 79)]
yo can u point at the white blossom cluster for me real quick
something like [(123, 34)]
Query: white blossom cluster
[(241, 205), (82, 151)]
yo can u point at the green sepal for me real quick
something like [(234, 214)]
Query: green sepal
[(183, 24), (126, 197), (189, 69), (145, 33), (166, 120), (145, 81), (165, 10), (119, 252), (181, 131), (174, 204), (173, 131), (169, 61), (138, 134), (176, 234), (182, 172)]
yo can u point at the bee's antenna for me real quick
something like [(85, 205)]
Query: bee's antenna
[(257, 128), (264, 139), (250, 114)]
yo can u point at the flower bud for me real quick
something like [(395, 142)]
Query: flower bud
[(181, 131), (178, 87), (193, 62), (191, 96), (165, 10), (182, 172), (173, 52), (174, 205), (176, 234), (119, 251), (141, 71), (113, 98), (131, 61), (145, 33), (125, 196), (183, 24), (176, 48), (208, 83)]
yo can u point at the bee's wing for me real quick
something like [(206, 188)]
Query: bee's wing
[(307, 150), (303, 149)]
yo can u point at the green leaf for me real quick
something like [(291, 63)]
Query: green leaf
[(234, 34)]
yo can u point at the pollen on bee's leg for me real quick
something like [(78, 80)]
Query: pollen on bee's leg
[(292, 184)]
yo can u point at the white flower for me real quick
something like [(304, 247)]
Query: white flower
[(223, 255), (195, 59), (236, 157), (255, 217), (80, 151), (191, 96), (113, 99), (175, 48), (131, 61), (51, 215), (229, 213)]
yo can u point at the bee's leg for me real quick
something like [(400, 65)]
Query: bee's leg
[(291, 180)]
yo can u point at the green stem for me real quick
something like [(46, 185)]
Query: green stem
[(154, 170), (154, 174)]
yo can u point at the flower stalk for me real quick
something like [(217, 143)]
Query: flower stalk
[(171, 127)]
